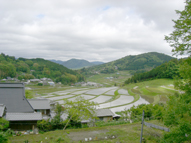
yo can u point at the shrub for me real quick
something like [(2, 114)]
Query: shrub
[(4, 124), (3, 137), (40, 84)]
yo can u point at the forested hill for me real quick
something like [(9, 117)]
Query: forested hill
[(166, 70), (140, 63), (22, 68)]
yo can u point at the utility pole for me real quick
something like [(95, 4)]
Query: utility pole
[(142, 126)]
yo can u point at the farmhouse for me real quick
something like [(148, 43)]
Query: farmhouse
[(17, 108), (42, 106)]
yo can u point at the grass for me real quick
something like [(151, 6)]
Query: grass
[(152, 90), (125, 133), (101, 78)]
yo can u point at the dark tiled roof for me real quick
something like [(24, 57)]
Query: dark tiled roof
[(104, 113), (39, 103), (24, 116), (12, 95)]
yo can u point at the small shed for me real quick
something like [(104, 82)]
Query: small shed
[(104, 114)]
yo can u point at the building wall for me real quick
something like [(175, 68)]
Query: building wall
[(44, 111), (22, 125), (105, 119)]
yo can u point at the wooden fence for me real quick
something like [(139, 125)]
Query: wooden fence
[(157, 127)]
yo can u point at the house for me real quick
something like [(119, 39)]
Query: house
[(42, 106), (35, 80), (2, 110), (104, 114), (51, 83), (19, 111), (23, 121)]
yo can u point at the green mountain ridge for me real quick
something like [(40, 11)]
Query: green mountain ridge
[(134, 63)]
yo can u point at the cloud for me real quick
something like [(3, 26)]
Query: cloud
[(103, 30)]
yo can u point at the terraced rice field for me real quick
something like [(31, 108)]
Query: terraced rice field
[(123, 99), (99, 91), (101, 99), (103, 96), (116, 98)]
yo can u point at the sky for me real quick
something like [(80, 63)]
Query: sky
[(94, 30)]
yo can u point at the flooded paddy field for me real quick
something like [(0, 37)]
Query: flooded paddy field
[(60, 97), (111, 92), (118, 98), (121, 108), (100, 91), (101, 99), (123, 99)]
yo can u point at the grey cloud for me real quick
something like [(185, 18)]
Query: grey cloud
[(103, 30)]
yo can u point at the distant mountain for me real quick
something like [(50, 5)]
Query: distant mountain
[(77, 63), (97, 63), (57, 61), (135, 63)]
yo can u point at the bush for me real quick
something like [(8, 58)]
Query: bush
[(49, 126), (40, 84), (4, 124), (3, 137)]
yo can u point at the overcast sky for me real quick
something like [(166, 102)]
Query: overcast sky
[(94, 30)]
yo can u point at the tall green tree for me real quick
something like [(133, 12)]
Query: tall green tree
[(178, 110), (180, 38)]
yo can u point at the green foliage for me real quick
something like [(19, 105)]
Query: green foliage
[(55, 123), (166, 70), (79, 109), (28, 94), (40, 84), (108, 70), (177, 112), (4, 124), (46, 125), (178, 134), (59, 110), (180, 38), (36, 68), (3, 137), (26, 76), (151, 111)]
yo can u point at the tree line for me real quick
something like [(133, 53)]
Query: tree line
[(22, 68), (166, 70)]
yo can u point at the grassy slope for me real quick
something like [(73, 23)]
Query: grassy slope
[(152, 90), (126, 133), (101, 78)]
